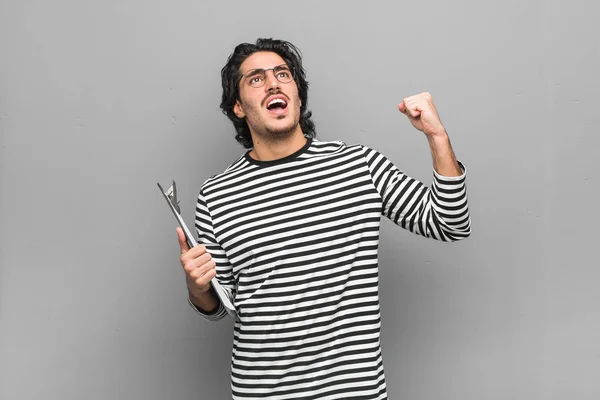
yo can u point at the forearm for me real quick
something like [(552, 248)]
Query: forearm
[(444, 160), (205, 301)]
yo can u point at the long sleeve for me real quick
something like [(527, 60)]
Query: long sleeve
[(439, 212), (206, 236)]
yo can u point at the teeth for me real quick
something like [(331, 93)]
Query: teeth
[(276, 101)]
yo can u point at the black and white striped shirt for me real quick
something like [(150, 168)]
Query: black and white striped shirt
[(295, 242)]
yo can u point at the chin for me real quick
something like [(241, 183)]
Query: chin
[(278, 133), (279, 129)]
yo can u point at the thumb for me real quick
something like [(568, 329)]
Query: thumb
[(402, 108), (182, 240), (411, 113)]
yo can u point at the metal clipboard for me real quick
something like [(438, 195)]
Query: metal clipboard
[(171, 197)]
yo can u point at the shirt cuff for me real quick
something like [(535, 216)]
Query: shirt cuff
[(215, 315), (452, 178)]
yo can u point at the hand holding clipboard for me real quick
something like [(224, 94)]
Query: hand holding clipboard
[(171, 197)]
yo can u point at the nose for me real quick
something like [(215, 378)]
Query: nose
[(271, 81)]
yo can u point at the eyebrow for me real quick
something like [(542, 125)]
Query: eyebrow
[(258, 71), (255, 71)]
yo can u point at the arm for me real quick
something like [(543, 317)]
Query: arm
[(206, 302), (204, 262), (199, 270), (440, 211), (444, 160), (423, 115)]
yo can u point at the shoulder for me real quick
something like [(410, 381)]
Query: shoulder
[(333, 146), (321, 148), (230, 174)]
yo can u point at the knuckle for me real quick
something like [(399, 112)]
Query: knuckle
[(199, 282), (205, 258), (189, 267)]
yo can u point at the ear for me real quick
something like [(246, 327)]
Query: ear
[(237, 110)]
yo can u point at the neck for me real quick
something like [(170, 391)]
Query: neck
[(275, 150)]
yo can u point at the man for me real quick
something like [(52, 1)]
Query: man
[(291, 231)]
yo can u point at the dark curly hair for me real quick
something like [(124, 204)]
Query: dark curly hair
[(230, 80)]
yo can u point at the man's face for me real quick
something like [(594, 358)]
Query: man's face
[(272, 111)]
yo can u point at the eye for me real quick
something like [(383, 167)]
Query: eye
[(255, 79), (284, 74)]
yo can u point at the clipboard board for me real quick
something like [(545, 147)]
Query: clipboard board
[(171, 197)]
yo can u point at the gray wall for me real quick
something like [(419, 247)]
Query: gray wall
[(100, 100)]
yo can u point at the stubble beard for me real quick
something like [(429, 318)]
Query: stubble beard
[(274, 135), (279, 135)]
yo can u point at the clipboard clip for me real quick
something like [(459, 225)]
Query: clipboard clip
[(171, 194)]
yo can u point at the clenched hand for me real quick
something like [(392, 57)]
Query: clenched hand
[(198, 265)]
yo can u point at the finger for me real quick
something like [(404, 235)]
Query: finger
[(421, 101), (193, 264), (409, 106), (412, 110), (202, 276), (182, 241), (197, 251), (411, 99), (406, 110), (402, 107), (205, 279)]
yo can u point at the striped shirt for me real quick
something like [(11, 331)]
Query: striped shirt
[(295, 243)]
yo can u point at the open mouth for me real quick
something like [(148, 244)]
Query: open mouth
[(277, 105)]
